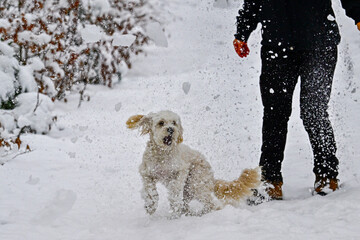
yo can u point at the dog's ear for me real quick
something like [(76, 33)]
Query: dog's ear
[(133, 121), (180, 138), (139, 121)]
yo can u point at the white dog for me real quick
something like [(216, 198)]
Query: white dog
[(184, 172)]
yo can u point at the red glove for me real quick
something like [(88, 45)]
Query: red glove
[(241, 48), (358, 25)]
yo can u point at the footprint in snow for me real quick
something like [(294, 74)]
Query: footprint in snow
[(62, 203), (118, 106), (186, 87)]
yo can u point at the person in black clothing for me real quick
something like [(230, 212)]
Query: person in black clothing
[(299, 39)]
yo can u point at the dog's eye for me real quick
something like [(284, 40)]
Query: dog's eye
[(161, 123), (174, 122)]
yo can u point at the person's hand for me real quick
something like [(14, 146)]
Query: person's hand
[(358, 25), (241, 48)]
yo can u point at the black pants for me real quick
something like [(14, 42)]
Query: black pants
[(280, 72)]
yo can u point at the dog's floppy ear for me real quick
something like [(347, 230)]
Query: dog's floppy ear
[(133, 121), (180, 138), (140, 121)]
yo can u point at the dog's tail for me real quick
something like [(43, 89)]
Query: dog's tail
[(232, 192)]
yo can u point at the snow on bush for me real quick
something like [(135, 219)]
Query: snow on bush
[(8, 70), (77, 41), (47, 47), (33, 113)]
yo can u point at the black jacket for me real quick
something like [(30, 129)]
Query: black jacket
[(302, 24)]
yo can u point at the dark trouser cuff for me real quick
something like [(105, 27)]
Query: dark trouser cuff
[(326, 167), (270, 174)]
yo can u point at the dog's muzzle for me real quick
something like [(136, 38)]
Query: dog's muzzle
[(168, 140)]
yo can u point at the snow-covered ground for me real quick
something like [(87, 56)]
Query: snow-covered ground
[(83, 182)]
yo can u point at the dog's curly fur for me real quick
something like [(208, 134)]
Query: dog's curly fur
[(184, 172)]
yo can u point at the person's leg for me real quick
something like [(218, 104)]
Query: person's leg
[(277, 82), (316, 82)]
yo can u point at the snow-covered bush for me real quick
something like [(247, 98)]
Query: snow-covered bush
[(49, 46), (33, 113), (77, 41)]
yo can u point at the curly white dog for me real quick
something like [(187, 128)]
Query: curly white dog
[(184, 172)]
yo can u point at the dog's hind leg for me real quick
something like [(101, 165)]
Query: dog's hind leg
[(208, 206), (208, 202), (150, 194)]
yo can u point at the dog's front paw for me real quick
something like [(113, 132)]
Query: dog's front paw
[(174, 215), (151, 205), (151, 208), (151, 198), (176, 211)]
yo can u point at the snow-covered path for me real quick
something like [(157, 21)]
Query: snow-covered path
[(82, 182)]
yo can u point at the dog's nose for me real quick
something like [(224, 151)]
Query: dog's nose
[(170, 130)]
